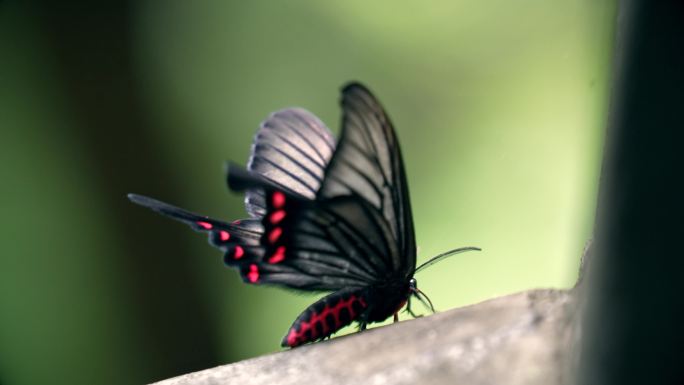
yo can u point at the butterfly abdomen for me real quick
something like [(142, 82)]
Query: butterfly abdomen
[(326, 316)]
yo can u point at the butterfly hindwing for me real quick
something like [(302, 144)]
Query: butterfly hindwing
[(240, 241), (291, 149), (330, 244)]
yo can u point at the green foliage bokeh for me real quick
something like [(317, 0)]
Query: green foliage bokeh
[(500, 108)]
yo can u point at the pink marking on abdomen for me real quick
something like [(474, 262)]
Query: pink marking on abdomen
[(296, 337), (239, 252), (253, 274), (224, 235), (278, 199), (275, 234), (278, 256), (205, 225), (292, 338), (277, 216)]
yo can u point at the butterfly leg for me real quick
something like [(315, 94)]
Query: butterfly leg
[(410, 311), (362, 326)]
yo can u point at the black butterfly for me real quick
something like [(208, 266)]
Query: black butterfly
[(323, 217)]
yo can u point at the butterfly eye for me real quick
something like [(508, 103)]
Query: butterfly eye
[(413, 284)]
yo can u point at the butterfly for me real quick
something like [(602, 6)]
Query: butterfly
[(324, 216)]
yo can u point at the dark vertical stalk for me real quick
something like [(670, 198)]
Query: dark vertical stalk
[(634, 329)]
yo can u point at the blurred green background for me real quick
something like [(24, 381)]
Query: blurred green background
[(499, 105)]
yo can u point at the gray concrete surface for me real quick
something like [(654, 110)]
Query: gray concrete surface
[(525, 338)]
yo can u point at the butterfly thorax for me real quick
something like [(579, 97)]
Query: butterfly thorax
[(386, 299)]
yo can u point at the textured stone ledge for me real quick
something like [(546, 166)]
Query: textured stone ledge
[(525, 338)]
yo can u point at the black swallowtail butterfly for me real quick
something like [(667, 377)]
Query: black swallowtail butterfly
[(323, 217)]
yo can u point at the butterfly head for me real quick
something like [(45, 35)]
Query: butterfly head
[(414, 291), (413, 285), (422, 297)]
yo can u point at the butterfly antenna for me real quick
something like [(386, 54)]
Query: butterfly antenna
[(449, 253)]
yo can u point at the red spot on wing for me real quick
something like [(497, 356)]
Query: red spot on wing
[(238, 252), (278, 199), (275, 234), (205, 225), (224, 235), (296, 336), (278, 256), (277, 216), (253, 274)]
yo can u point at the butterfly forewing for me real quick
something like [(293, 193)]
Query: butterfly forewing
[(368, 164), (240, 241)]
